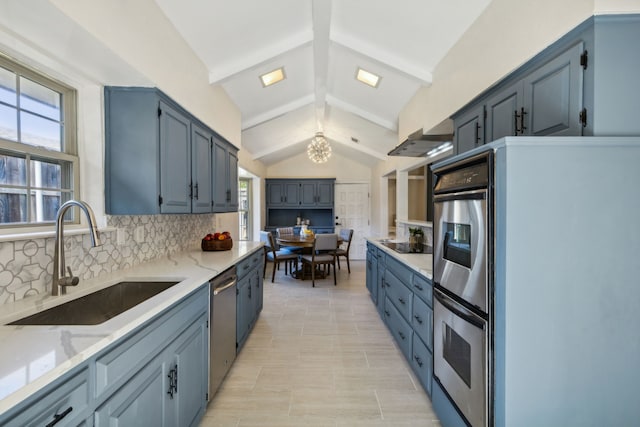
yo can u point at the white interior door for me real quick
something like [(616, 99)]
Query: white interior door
[(352, 211)]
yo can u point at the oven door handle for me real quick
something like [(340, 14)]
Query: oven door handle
[(459, 310), (471, 195)]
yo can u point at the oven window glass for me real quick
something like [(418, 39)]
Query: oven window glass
[(457, 352), (457, 243)]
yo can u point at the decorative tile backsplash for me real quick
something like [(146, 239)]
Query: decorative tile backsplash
[(26, 266)]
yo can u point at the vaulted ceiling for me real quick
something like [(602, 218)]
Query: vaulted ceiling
[(321, 44)]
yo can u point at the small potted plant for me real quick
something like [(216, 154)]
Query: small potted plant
[(416, 236)]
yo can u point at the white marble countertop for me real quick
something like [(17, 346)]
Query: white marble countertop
[(33, 356), (422, 263)]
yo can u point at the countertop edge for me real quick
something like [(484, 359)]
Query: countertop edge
[(420, 263)]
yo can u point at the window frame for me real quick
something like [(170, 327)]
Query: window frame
[(249, 224), (69, 144)]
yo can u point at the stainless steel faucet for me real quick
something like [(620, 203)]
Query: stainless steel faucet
[(60, 279)]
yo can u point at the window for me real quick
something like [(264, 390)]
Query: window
[(244, 209), (38, 162)]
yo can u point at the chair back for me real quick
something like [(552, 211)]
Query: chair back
[(346, 234), (273, 244), (325, 242), (285, 231)]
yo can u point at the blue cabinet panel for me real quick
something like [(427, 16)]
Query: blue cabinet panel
[(399, 294), (175, 160), (422, 362)]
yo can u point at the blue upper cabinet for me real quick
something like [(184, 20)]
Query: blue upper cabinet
[(317, 193), (553, 96), (556, 93), (283, 193), (504, 112), (175, 160), (469, 129), (225, 176), (161, 159), (201, 174)]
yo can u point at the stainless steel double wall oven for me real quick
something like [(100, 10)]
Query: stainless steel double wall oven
[(462, 273)]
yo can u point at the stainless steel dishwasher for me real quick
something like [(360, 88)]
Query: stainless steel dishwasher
[(222, 327)]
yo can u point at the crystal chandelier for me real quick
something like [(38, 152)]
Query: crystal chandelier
[(319, 149)]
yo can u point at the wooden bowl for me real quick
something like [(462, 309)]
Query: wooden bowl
[(216, 245)]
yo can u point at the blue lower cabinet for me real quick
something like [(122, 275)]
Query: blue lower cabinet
[(249, 296), (400, 329), (422, 321), (403, 298), (422, 362), (399, 294)]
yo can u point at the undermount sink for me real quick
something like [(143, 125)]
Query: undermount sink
[(97, 307)]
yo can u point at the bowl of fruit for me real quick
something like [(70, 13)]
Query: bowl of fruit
[(217, 242)]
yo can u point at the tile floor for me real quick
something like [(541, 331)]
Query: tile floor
[(320, 357)]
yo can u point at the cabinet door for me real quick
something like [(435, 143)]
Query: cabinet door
[(324, 194), (372, 272), (291, 197), (201, 170), (140, 402), (220, 175), (553, 96), (257, 293), (190, 357), (275, 193), (308, 194), (232, 205), (175, 161), (243, 309), (504, 113), (469, 130)]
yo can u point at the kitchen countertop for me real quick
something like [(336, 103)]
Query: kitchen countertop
[(34, 356), (422, 263)]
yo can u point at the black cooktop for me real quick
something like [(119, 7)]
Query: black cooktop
[(405, 248)]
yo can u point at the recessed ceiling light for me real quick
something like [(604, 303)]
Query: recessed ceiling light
[(367, 77), (272, 77)]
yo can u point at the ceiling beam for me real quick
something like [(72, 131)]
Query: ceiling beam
[(253, 59), (386, 58), (277, 112), (357, 147), (387, 124), (321, 15)]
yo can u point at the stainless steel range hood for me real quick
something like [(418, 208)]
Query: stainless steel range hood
[(419, 143)]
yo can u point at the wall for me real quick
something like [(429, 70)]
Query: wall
[(87, 45), (340, 167)]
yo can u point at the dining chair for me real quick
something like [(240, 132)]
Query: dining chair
[(288, 231), (323, 253), (346, 234), (274, 254)]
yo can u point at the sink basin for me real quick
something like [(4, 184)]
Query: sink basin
[(97, 307)]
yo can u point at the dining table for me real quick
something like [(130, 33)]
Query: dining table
[(302, 242)]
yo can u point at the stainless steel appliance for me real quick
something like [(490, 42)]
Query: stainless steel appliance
[(462, 264), (222, 327)]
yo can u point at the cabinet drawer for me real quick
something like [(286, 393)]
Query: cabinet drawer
[(422, 321), (422, 363), (423, 288), (121, 362), (400, 270), (400, 329), (70, 397), (399, 294), (249, 263)]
